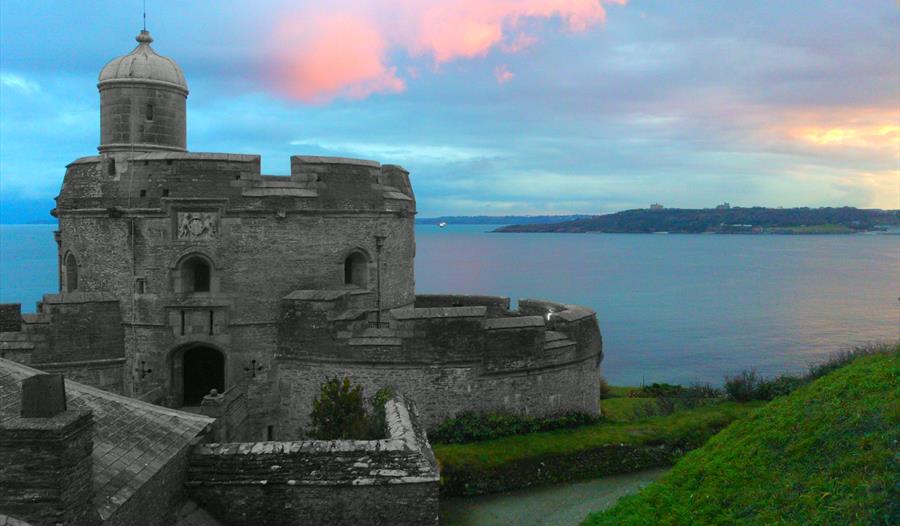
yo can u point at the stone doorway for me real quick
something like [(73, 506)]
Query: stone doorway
[(203, 369)]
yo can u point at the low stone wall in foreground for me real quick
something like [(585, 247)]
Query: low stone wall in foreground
[(361, 482)]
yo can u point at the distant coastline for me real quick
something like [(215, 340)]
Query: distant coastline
[(499, 220), (731, 220)]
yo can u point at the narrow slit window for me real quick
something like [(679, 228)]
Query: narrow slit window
[(149, 112), (111, 164), (71, 273)]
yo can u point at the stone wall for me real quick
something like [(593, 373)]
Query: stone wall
[(78, 334), (269, 235), (448, 359), (389, 481), (123, 113), (230, 411), (45, 469)]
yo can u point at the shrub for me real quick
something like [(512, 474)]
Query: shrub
[(377, 421), (474, 426), (656, 390), (338, 412), (744, 386)]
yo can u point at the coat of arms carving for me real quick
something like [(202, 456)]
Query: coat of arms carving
[(197, 225)]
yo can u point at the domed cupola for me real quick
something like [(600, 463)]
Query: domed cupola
[(143, 97)]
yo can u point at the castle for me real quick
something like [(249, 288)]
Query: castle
[(191, 280)]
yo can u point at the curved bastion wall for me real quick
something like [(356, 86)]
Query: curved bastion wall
[(457, 354)]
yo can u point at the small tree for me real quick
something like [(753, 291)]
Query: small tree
[(338, 412)]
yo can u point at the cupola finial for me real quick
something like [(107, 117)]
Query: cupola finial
[(144, 37)]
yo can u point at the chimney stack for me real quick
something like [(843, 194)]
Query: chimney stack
[(45, 458)]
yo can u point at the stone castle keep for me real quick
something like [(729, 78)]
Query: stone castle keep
[(191, 280)]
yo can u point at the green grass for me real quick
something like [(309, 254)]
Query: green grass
[(621, 391), (825, 454), (590, 451), (624, 409)]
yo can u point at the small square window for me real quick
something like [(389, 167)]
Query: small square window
[(143, 193), (140, 285), (165, 192)]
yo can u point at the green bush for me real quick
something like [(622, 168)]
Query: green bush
[(377, 421), (474, 426), (339, 412), (748, 385)]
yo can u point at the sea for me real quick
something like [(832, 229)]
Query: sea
[(677, 308)]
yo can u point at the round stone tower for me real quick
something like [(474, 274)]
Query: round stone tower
[(142, 102)]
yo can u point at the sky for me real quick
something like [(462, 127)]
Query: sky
[(496, 107)]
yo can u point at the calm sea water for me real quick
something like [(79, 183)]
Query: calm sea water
[(673, 308)]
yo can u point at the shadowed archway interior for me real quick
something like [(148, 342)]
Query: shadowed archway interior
[(204, 369)]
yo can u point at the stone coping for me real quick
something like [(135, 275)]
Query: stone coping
[(574, 313), (316, 295), (59, 422), (419, 313), (318, 159), (402, 439), (165, 156)]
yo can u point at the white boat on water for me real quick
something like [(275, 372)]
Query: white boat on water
[(442, 224)]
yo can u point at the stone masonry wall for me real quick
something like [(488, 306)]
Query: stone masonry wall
[(77, 334), (448, 359), (375, 482), (45, 469)]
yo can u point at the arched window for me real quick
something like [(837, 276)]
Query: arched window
[(71, 273), (195, 275), (356, 270)]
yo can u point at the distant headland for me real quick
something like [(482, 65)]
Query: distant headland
[(725, 219)]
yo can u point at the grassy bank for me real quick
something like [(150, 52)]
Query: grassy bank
[(591, 451), (825, 454)]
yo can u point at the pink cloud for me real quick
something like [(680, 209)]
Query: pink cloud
[(503, 74), (315, 59), (341, 49)]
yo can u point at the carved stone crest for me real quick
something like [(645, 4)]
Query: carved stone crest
[(197, 225)]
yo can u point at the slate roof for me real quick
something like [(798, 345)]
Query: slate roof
[(133, 440)]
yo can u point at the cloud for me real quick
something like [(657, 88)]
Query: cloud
[(17, 82), (345, 49), (503, 74), (333, 54)]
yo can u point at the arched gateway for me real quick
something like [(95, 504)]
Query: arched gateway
[(196, 369)]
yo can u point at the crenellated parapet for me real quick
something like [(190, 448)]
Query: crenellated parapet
[(458, 353), (149, 182), (323, 325)]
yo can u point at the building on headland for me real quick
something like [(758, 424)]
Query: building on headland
[(656, 206), (193, 281), (724, 206)]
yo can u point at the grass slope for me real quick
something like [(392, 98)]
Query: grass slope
[(826, 454)]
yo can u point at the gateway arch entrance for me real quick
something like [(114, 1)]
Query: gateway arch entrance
[(203, 369)]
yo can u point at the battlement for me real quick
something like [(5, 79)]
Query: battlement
[(148, 181), (451, 329)]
